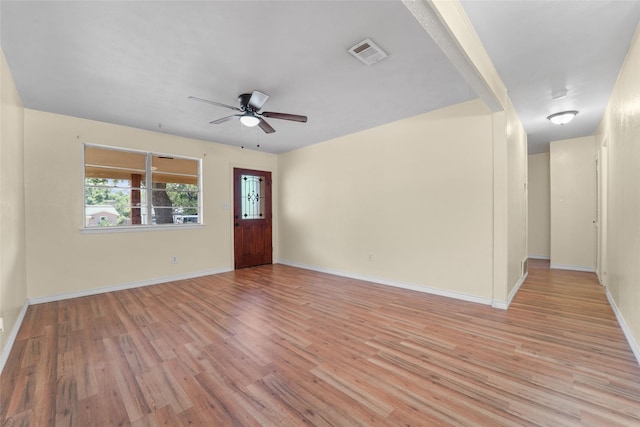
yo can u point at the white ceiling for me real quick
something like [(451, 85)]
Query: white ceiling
[(135, 63)]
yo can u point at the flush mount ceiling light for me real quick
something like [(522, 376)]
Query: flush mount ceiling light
[(562, 117), (249, 120)]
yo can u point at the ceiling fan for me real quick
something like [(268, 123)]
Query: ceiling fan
[(249, 111)]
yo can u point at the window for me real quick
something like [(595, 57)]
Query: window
[(131, 188)]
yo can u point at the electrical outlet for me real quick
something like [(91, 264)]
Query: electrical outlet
[(370, 257), (1, 325), (174, 259)]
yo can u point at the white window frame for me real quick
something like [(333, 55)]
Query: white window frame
[(148, 185)]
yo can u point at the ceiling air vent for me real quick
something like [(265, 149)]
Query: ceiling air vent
[(368, 52)]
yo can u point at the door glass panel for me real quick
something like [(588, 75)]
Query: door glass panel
[(252, 196)]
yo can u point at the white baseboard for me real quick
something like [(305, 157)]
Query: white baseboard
[(543, 257), (623, 325), (12, 337), (413, 287), (139, 284), (572, 268), (514, 291)]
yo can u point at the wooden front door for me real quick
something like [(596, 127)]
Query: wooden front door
[(252, 217)]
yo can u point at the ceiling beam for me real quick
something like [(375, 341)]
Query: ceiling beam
[(448, 25)]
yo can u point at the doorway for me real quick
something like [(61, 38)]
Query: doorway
[(252, 218)]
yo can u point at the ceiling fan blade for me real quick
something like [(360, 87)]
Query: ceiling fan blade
[(284, 116), (224, 119), (195, 98), (266, 127), (257, 100)]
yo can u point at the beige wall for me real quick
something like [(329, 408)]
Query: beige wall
[(517, 194), (409, 202), (620, 128), (62, 259), (509, 141), (509, 204), (500, 207), (539, 206), (13, 282), (573, 203)]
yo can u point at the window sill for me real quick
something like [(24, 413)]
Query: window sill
[(135, 229)]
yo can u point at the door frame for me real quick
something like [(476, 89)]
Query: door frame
[(268, 207), (602, 211)]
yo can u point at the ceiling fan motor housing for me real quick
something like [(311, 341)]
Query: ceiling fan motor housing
[(244, 101)]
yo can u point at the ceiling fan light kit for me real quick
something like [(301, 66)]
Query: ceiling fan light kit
[(250, 111), (249, 121), (562, 117)]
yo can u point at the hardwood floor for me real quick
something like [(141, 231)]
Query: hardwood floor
[(280, 346)]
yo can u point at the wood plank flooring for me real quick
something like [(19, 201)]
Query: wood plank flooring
[(280, 346)]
